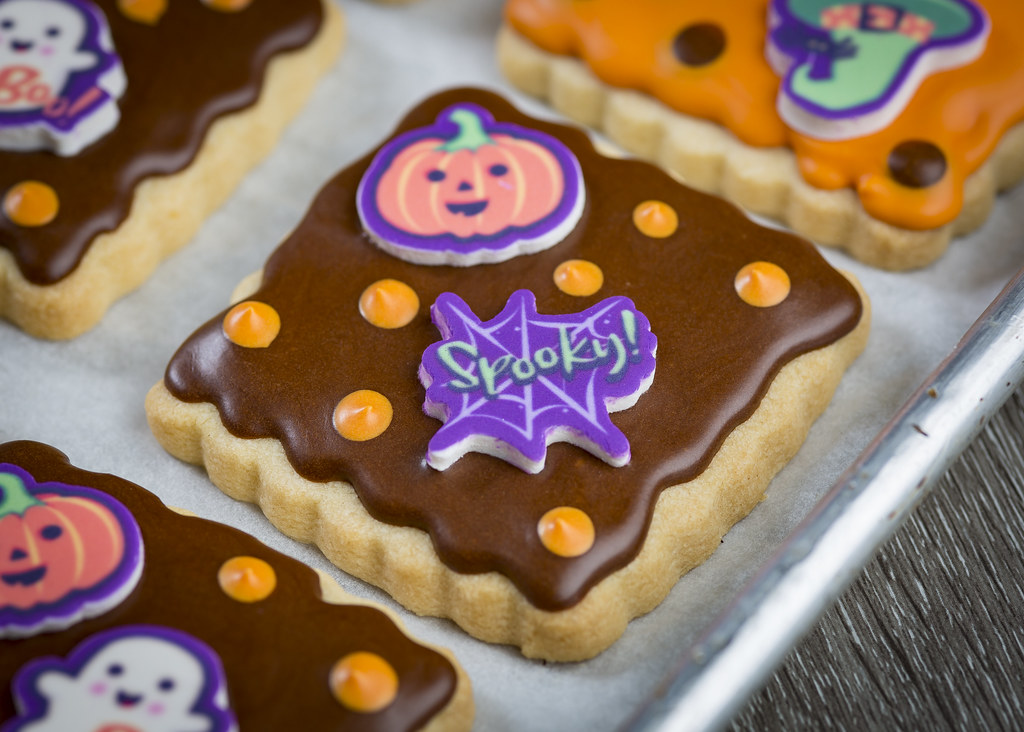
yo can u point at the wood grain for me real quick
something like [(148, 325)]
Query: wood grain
[(931, 636)]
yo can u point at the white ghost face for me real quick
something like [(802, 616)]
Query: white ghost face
[(45, 36), (136, 682)]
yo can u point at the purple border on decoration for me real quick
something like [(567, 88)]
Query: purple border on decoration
[(445, 129), (780, 8), (80, 82), (32, 706), (77, 600)]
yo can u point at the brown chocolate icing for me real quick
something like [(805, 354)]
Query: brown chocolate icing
[(716, 357), (195, 65), (277, 653)]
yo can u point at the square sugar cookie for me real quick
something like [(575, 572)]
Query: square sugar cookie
[(512, 381), (882, 129), (109, 620), (123, 125)]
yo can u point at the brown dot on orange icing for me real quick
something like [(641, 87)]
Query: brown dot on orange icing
[(364, 682), (228, 6), (566, 531), (143, 11), (247, 579), (389, 304), (362, 415), (762, 284), (656, 219), (31, 203), (699, 44), (578, 277), (252, 324)]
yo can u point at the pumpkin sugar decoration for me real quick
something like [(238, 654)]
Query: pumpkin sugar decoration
[(468, 190), (66, 553)]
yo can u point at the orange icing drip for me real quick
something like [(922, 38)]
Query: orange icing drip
[(31, 203), (252, 324), (364, 682), (655, 219), (566, 531), (143, 11), (247, 579), (964, 111), (228, 6), (762, 284), (362, 415), (578, 277), (389, 304)]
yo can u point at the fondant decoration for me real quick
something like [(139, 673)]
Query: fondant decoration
[(31, 203), (511, 386), (364, 682), (468, 190), (252, 324), (578, 277), (136, 677), (566, 531), (850, 68), (762, 284), (60, 76), (656, 219), (389, 304), (66, 553), (363, 415), (247, 579)]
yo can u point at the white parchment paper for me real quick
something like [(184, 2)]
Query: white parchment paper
[(85, 397)]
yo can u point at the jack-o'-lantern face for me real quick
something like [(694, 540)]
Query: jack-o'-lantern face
[(485, 193), (55, 549)]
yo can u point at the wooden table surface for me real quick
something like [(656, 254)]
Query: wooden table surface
[(931, 635)]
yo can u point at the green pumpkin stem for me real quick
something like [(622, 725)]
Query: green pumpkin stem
[(472, 135), (14, 497)]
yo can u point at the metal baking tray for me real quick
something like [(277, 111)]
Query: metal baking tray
[(699, 654)]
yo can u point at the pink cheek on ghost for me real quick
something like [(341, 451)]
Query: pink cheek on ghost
[(46, 50), (155, 709), (98, 689)]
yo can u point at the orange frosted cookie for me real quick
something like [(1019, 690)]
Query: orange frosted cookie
[(512, 381), (110, 621), (123, 125), (883, 129)]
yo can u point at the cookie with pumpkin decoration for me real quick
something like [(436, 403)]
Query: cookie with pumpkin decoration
[(109, 621), (123, 125), (509, 380), (885, 129)]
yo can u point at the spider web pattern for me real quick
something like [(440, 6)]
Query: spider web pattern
[(584, 365)]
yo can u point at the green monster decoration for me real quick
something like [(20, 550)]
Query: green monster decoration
[(849, 69)]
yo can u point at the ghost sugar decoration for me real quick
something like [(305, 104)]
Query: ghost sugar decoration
[(60, 77), (136, 677)]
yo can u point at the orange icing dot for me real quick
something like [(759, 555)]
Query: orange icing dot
[(389, 304), (143, 11), (363, 682), (762, 284), (566, 531), (31, 203), (228, 6), (362, 415), (656, 219), (578, 277), (247, 579), (252, 324)]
